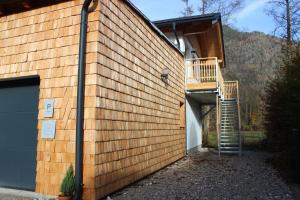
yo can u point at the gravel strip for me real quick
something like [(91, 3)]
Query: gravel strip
[(206, 176)]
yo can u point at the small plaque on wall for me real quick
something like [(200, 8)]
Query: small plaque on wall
[(48, 129), (49, 108)]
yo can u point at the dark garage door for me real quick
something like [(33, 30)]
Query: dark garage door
[(18, 133)]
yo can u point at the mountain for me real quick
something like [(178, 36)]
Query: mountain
[(251, 58)]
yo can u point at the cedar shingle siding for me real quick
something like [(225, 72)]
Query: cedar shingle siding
[(132, 119)]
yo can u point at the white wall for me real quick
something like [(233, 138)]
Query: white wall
[(173, 38), (193, 124)]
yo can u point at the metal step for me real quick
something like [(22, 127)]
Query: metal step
[(225, 122), (229, 112), (228, 102), (230, 141), (229, 126), (231, 134), (232, 145), (230, 152), (229, 148), (232, 118)]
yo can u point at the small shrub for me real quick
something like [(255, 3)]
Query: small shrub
[(67, 187)]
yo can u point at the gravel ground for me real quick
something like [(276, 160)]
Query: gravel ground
[(11, 194), (205, 176)]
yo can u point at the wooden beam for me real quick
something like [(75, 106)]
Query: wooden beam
[(202, 86), (196, 33)]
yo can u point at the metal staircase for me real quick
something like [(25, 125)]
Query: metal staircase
[(229, 138)]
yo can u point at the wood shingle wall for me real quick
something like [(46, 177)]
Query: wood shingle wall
[(132, 119), (44, 42), (138, 116)]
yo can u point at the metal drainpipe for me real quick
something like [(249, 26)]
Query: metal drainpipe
[(176, 35), (80, 101)]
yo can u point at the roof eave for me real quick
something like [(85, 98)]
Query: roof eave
[(190, 19)]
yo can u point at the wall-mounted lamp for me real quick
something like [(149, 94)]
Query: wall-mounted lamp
[(165, 75)]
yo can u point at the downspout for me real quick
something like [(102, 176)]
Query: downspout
[(176, 35), (80, 101)]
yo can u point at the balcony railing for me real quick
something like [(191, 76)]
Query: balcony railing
[(204, 74)]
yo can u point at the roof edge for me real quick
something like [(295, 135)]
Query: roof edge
[(153, 27), (187, 19)]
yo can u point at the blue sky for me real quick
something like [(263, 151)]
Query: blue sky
[(251, 18)]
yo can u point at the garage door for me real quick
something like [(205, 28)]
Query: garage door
[(18, 133)]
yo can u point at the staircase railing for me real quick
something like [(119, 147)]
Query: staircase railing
[(231, 90), (232, 93), (205, 70)]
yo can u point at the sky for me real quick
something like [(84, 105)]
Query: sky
[(250, 18)]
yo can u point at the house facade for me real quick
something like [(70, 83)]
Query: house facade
[(141, 113)]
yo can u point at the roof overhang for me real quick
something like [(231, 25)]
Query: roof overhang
[(205, 32), (8, 7)]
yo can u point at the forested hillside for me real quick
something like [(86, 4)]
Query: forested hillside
[(250, 58)]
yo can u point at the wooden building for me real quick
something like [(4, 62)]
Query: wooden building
[(137, 83)]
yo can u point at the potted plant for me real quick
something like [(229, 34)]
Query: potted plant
[(67, 187)]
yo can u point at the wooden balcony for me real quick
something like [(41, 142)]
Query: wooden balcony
[(204, 74), (204, 80)]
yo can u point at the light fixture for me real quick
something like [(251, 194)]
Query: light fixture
[(165, 75)]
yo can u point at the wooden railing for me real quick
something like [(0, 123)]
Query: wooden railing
[(204, 70), (201, 70), (230, 90)]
